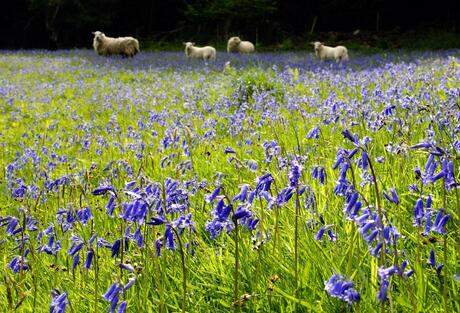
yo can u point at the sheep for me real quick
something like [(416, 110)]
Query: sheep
[(339, 53), (126, 46), (236, 45), (205, 53)]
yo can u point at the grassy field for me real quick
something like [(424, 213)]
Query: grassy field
[(272, 183)]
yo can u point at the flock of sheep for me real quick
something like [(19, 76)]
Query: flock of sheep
[(129, 46)]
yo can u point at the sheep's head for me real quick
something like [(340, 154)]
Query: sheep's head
[(98, 36), (234, 41), (317, 45), (188, 44)]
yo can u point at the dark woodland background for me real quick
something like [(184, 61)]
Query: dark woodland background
[(283, 24)]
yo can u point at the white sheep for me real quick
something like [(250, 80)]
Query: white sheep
[(235, 44), (126, 46), (339, 53), (205, 53)]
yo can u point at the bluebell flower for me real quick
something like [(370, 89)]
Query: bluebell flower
[(425, 145), (353, 138), (351, 200), (342, 183), (364, 161), (114, 303), (268, 197), (76, 260), (408, 273), (102, 190), (376, 250), (75, 247), (158, 246), (115, 248), (315, 172), (122, 307), (66, 218), (320, 233), (386, 273), (229, 150), (31, 223), (135, 211), (157, 220), (337, 287), (128, 285), (429, 171), (414, 188), (263, 183), (383, 291), (11, 229), (89, 258), (440, 222), (294, 174), (112, 292), (20, 192), (101, 242), (251, 165), (250, 223), (339, 158), (243, 194), (394, 196), (130, 184), (319, 173), (418, 212), (169, 236), (310, 197), (429, 202), (284, 196), (209, 198), (332, 236), (177, 198), (302, 189), (111, 205), (220, 221), (59, 301), (221, 210), (370, 238), (126, 267), (432, 262), (322, 175), (449, 178), (53, 246), (84, 215), (313, 133), (241, 212), (19, 263)]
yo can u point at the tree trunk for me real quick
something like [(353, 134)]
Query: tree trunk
[(51, 14)]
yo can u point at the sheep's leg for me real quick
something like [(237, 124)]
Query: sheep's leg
[(128, 52)]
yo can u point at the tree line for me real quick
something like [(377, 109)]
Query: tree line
[(68, 23)]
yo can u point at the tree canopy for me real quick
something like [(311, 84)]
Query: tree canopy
[(68, 23)]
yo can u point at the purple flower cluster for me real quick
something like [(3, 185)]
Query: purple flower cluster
[(342, 289)]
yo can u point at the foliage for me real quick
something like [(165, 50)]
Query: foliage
[(265, 182)]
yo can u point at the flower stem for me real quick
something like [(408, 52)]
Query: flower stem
[(96, 278), (237, 267), (444, 281), (379, 212), (296, 247), (184, 271)]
